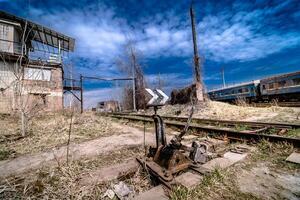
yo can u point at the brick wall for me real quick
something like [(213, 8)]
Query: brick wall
[(37, 94)]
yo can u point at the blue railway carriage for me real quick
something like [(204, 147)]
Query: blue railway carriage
[(284, 87), (248, 91)]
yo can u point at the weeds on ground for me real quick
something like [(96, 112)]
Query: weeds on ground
[(241, 101), (294, 133), (63, 181), (272, 131), (274, 153), (220, 184), (4, 154), (241, 127), (51, 130)]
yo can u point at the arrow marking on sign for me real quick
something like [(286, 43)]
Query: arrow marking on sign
[(158, 97), (165, 97), (154, 96)]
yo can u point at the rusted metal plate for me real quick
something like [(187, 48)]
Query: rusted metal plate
[(159, 171)]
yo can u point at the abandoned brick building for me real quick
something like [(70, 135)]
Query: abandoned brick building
[(26, 78), (108, 106)]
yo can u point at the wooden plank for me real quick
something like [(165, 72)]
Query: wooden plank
[(156, 193), (110, 173), (227, 160), (188, 180), (294, 157)]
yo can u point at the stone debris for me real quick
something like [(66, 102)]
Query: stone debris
[(109, 193), (122, 190)]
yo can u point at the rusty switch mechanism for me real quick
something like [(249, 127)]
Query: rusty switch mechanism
[(166, 160)]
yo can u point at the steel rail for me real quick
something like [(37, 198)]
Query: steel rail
[(280, 104), (212, 130)]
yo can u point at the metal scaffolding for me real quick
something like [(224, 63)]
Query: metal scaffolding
[(72, 85)]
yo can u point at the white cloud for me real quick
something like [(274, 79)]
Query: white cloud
[(222, 37)]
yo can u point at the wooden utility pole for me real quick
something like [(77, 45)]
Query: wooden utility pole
[(199, 85)]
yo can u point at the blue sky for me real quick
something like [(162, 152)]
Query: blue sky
[(250, 39)]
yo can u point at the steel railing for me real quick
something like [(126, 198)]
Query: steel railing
[(11, 47)]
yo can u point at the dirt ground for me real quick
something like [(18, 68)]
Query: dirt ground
[(264, 174), (36, 166), (122, 136), (270, 184)]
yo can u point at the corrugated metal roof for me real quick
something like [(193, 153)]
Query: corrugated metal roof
[(41, 33)]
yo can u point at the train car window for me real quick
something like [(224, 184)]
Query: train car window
[(296, 81), (281, 83), (264, 87), (240, 90), (246, 90), (271, 85), (252, 90), (232, 92)]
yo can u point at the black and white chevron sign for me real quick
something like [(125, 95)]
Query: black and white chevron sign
[(159, 98)]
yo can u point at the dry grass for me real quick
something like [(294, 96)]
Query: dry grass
[(220, 184), (51, 130), (220, 110), (62, 181), (274, 154)]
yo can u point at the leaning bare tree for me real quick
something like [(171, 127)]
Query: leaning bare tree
[(129, 63)]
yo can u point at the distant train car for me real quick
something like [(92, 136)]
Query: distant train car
[(249, 91), (284, 87)]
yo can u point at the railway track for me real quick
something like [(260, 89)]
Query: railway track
[(280, 104), (230, 123), (237, 130)]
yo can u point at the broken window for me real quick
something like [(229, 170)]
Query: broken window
[(296, 81), (281, 83), (4, 29), (271, 85), (37, 74), (5, 42)]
